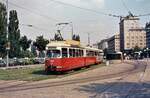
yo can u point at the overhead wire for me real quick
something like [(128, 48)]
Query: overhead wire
[(29, 25), (71, 5), (35, 27), (50, 18), (82, 8), (34, 12), (144, 14), (125, 6)]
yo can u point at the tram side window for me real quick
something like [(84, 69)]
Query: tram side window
[(71, 52), (64, 52), (99, 53), (80, 53), (74, 53), (77, 52), (87, 53), (91, 53), (95, 53)]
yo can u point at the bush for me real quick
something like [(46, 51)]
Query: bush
[(27, 53)]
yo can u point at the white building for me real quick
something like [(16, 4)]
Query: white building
[(131, 33), (114, 43), (103, 44)]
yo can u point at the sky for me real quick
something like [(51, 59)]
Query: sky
[(45, 14)]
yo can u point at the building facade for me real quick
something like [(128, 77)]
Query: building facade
[(147, 27), (103, 44), (131, 34), (114, 43)]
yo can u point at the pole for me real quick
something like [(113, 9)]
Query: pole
[(71, 29), (7, 57), (88, 39)]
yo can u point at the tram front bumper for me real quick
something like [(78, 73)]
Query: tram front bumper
[(54, 68)]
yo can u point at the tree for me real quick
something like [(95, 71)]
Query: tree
[(41, 43), (14, 34), (27, 53), (33, 50), (136, 49), (76, 37), (3, 25), (25, 43)]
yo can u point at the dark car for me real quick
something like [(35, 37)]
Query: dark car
[(2, 63)]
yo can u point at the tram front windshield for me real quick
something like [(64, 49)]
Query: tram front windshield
[(53, 53)]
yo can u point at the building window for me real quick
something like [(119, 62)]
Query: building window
[(141, 43)]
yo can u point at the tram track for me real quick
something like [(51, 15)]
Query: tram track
[(139, 81), (21, 87), (122, 79)]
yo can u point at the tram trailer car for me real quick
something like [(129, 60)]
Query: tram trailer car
[(64, 57)]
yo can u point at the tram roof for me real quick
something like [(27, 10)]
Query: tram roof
[(70, 43), (90, 48), (66, 43), (57, 44)]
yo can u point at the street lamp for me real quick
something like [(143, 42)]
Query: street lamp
[(71, 29), (147, 52), (8, 43), (28, 25)]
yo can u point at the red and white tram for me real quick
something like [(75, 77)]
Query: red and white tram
[(68, 55)]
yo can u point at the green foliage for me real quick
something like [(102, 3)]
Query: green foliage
[(14, 34), (3, 24), (33, 50), (136, 49), (41, 54), (76, 37), (25, 43), (41, 43), (37, 73), (27, 53)]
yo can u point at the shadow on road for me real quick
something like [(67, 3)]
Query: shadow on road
[(42, 72), (117, 90)]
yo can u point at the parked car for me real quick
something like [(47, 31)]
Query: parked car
[(20, 61), (2, 63), (39, 60), (12, 62)]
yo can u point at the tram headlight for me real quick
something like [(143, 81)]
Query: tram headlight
[(59, 67)]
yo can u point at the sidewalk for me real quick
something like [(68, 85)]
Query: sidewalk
[(147, 72), (22, 66)]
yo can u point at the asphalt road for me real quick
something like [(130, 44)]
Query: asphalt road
[(127, 80)]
